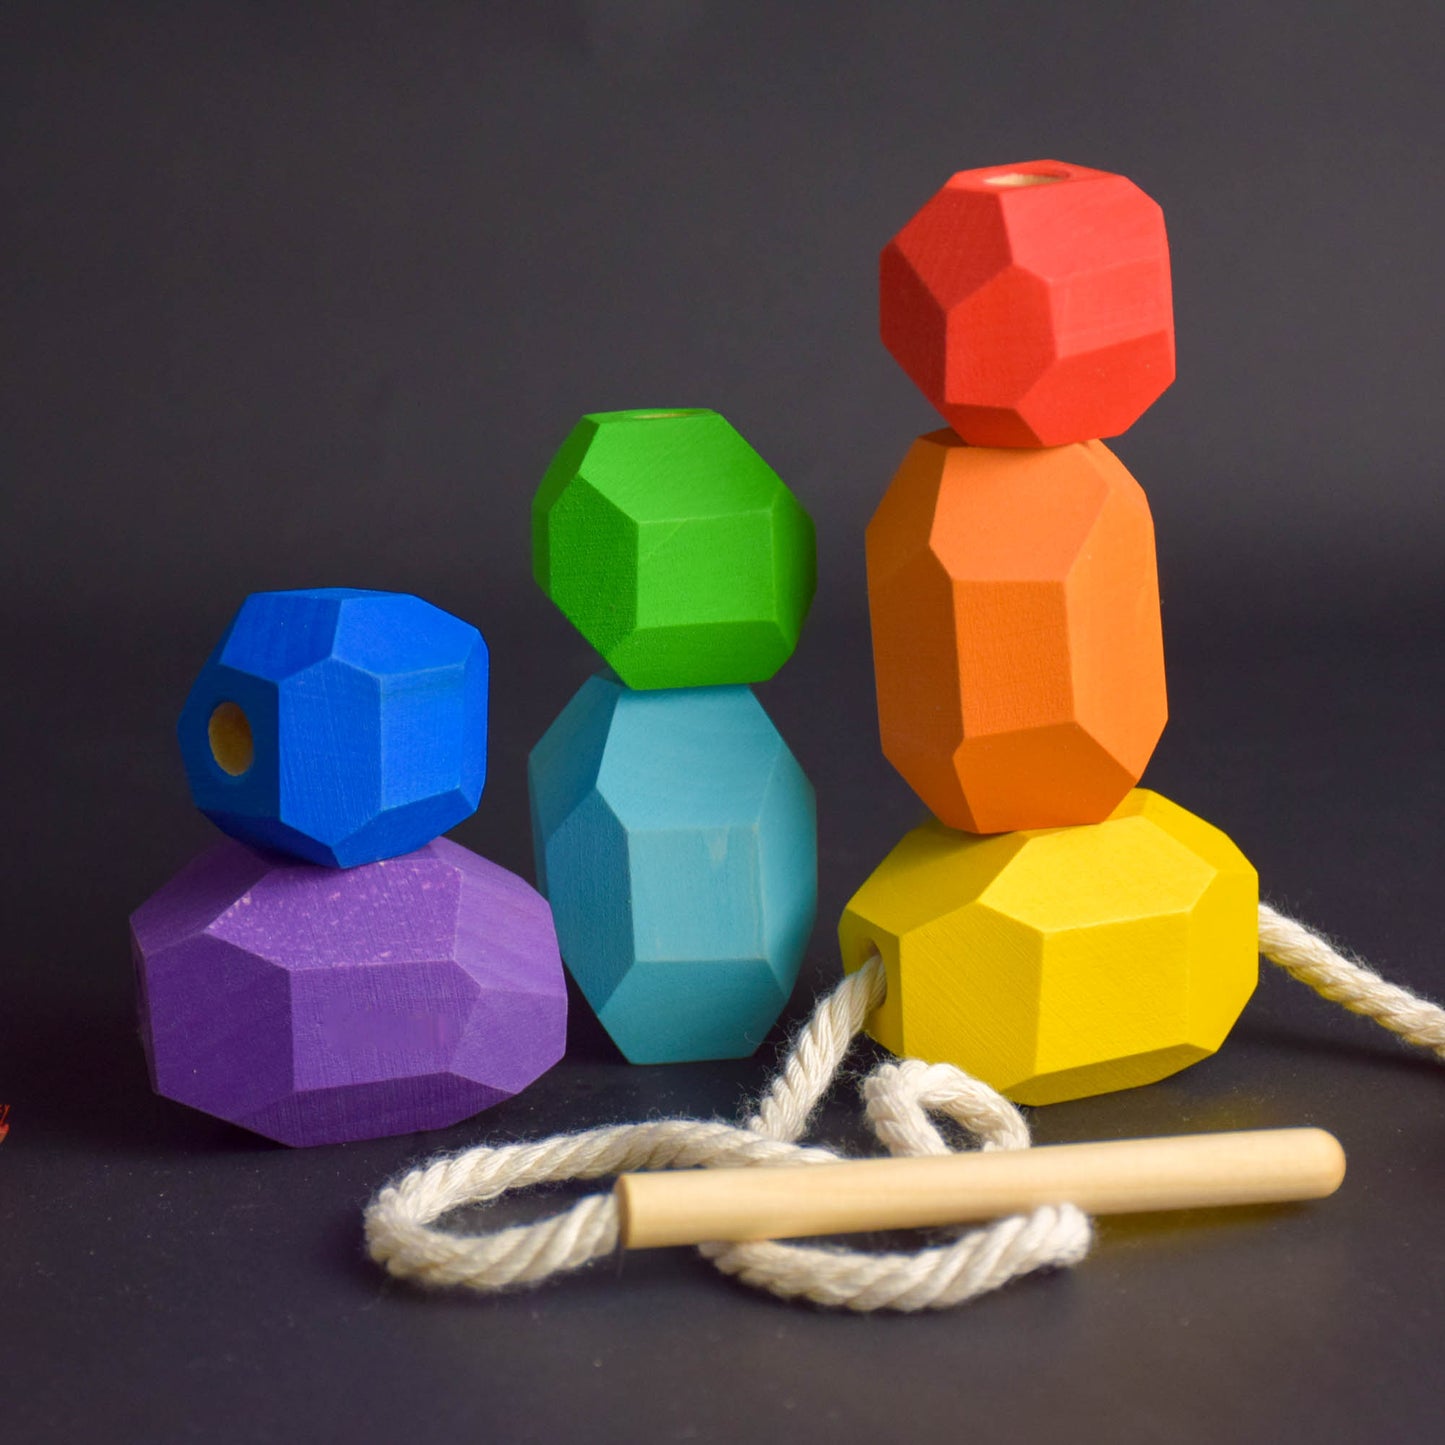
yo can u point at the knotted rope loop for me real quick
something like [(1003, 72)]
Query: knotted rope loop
[(899, 1098), (401, 1227)]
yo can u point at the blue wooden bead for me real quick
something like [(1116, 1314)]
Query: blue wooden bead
[(676, 840), (339, 726)]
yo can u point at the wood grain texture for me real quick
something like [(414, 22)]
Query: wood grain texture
[(1063, 962), (1017, 644), (314, 1005), (339, 726), (674, 549), (1031, 304), (677, 840), (1120, 1176)]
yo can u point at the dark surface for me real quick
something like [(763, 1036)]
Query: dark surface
[(305, 295)]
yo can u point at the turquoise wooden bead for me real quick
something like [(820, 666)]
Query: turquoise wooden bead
[(676, 839)]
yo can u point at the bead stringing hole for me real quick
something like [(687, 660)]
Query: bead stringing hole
[(232, 746), (1010, 180)]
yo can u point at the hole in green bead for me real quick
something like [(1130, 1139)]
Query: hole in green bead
[(232, 745)]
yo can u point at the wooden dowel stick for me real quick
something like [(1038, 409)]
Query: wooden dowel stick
[(1126, 1176)]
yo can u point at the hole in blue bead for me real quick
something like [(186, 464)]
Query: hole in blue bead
[(229, 733)]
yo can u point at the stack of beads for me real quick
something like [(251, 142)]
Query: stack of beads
[(1053, 929), (675, 833), (335, 969)]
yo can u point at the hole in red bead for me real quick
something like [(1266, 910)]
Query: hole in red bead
[(1012, 180)]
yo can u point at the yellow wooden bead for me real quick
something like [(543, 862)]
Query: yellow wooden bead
[(1065, 961)]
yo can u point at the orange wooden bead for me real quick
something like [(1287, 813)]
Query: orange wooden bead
[(1016, 633), (1031, 304)]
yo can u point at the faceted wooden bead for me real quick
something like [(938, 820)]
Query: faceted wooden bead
[(676, 840), (339, 726), (1017, 643), (674, 549), (1065, 962), (1031, 304), (315, 1005)]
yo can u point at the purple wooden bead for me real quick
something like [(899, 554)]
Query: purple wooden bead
[(313, 1005)]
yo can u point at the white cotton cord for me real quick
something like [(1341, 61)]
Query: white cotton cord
[(401, 1222), (1310, 957), (402, 1236), (897, 1096)]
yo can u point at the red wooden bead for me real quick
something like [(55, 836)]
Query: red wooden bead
[(1031, 304)]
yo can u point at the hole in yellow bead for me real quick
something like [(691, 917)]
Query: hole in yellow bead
[(232, 746), (1011, 180), (869, 952)]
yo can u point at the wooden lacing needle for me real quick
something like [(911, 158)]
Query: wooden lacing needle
[(1127, 1176)]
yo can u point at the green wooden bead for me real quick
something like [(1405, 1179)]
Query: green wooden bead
[(674, 549)]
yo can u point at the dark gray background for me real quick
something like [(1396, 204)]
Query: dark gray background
[(307, 294)]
